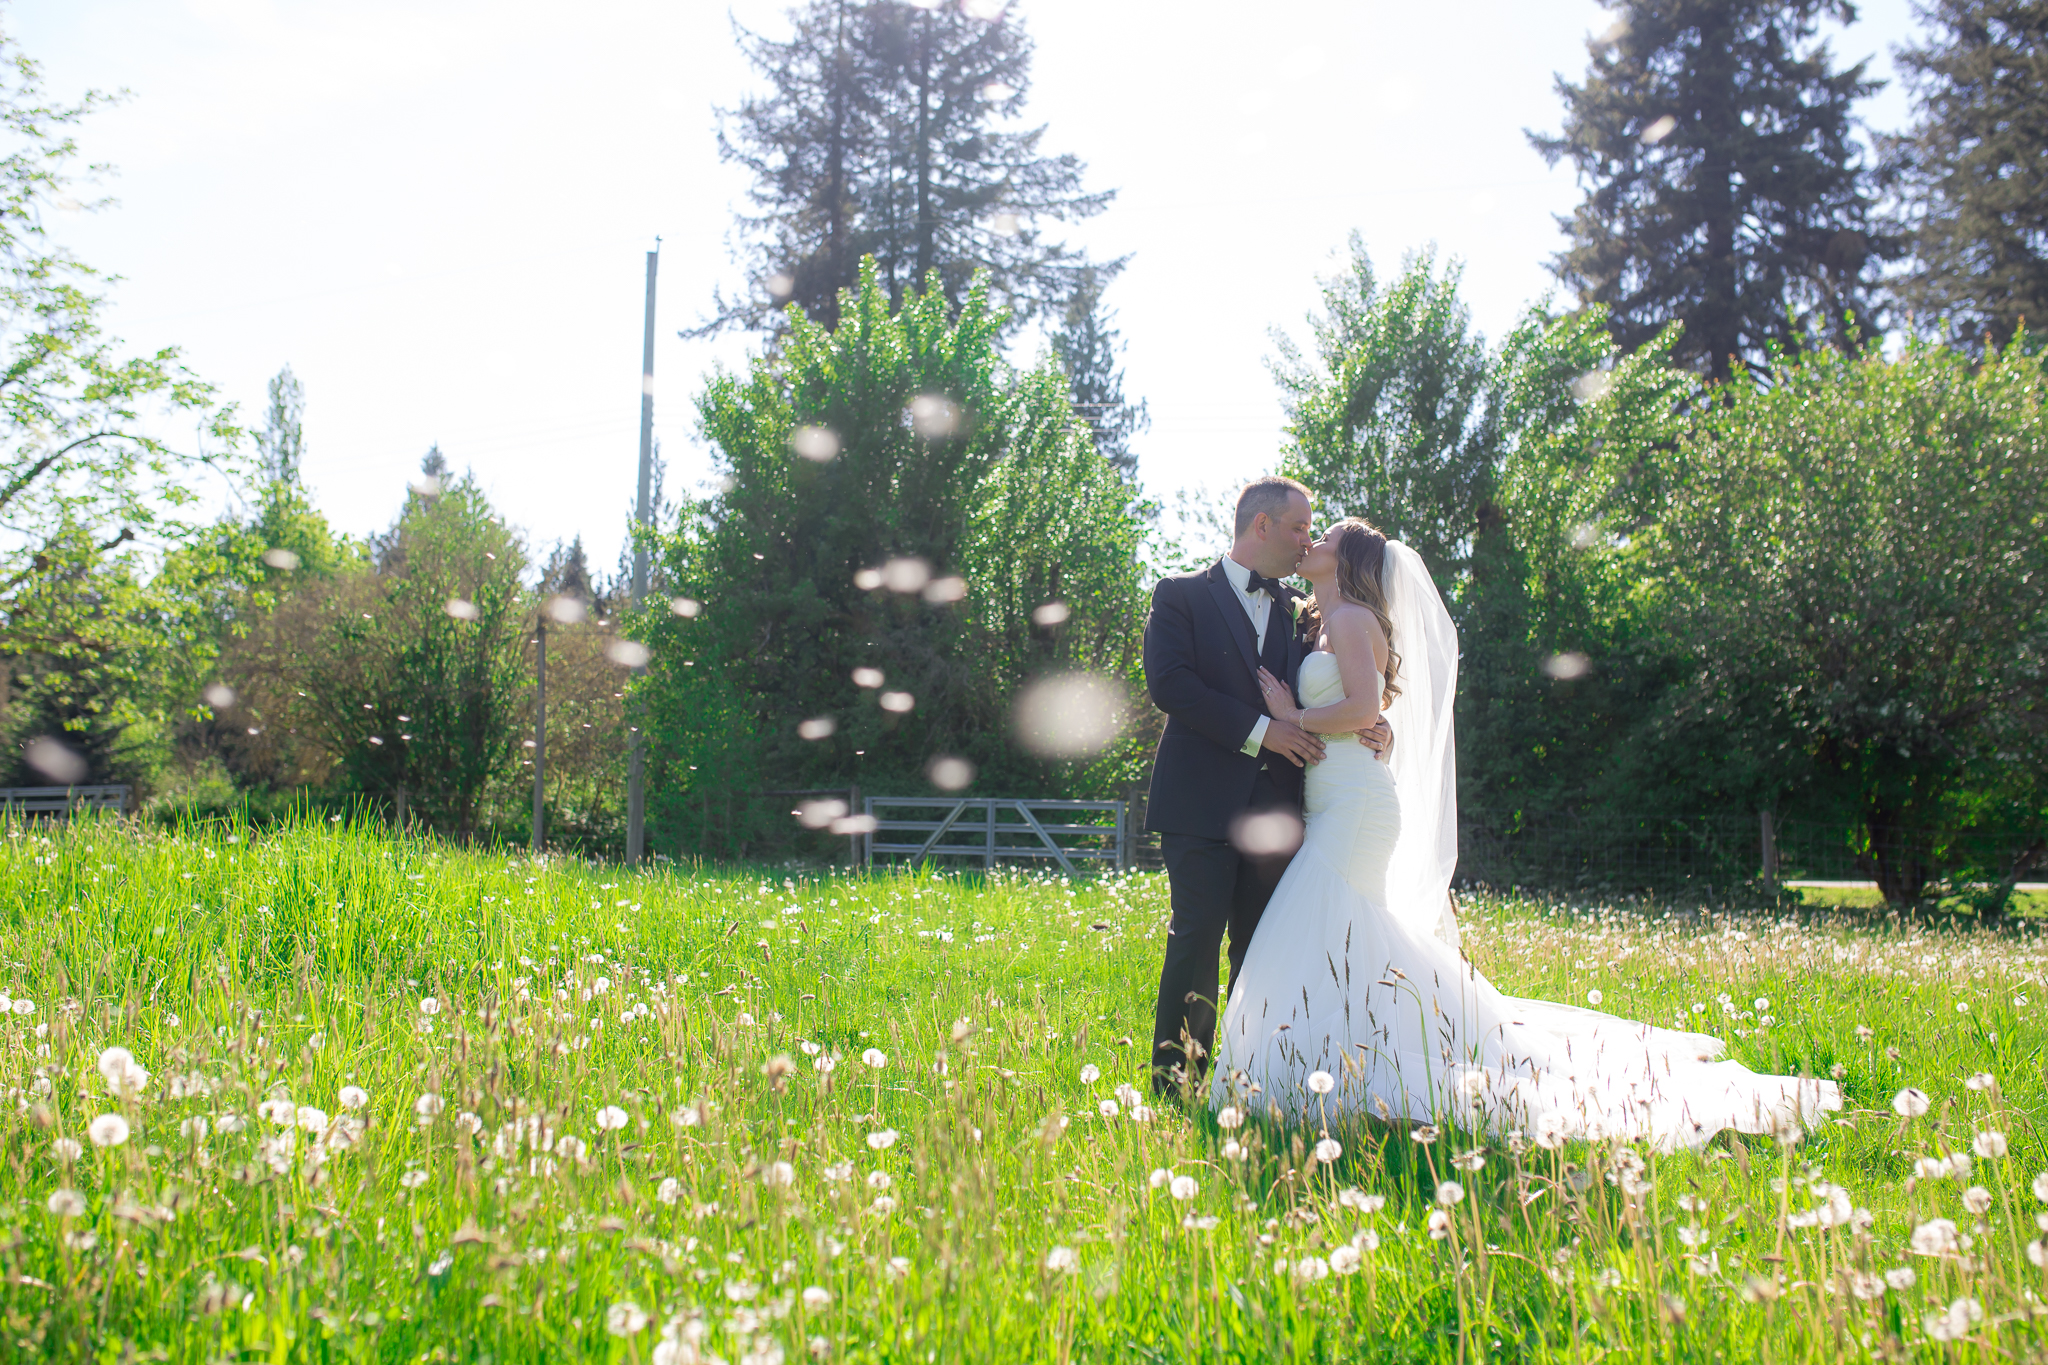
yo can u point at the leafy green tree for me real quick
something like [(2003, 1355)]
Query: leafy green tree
[(281, 445), (899, 438), (1384, 422), (1724, 188), (90, 495), (1090, 347), (81, 474), (1854, 561), (409, 669), (890, 131), (1972, 172)]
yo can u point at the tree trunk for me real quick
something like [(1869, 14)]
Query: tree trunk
[(923, 165)]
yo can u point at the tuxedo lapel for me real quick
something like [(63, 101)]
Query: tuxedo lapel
[(1235, 620)]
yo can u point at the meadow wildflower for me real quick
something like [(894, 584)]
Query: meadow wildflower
[(108, 1130), (412, 1180), (1328, 1150), (1229, 1118), (430, 1006), (66, 1203), (1977, 1200), (1439, 1224), (1901, 1277), (1090, 1074), (1989, 1144), (1321, 1082), (1593, 997), (670, 1190), (883, 1138), (1449, 1192), (1183, 1187), (1935, 1237), (1062, 1260), (67, 1149), (625, 1319), (1910, 1103), (354, 1097), (428, 1107), (875, 1058), (1345, 1260), (611, 1118), (816, 1297), (125, 1077)]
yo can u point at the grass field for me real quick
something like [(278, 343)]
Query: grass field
[(324, 1095)]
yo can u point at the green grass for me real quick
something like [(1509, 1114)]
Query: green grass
[(2024, 904), (750, 1208)]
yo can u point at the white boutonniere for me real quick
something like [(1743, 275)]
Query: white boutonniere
[(1295, 605)]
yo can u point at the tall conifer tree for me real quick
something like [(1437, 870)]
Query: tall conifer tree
[(1724, 188), (1090, 348), (889, 130), (1972, 172)]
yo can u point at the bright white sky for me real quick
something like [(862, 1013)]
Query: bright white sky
[(436, 210)]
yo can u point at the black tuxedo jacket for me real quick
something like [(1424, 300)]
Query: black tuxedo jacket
[(1201, 667)]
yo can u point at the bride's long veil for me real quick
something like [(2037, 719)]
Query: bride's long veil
[(1425, 754)]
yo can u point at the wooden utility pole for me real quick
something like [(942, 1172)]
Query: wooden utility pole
[(636, 773), (540, 735)]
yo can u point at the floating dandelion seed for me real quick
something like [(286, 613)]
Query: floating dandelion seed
[(1592, 386), (933, 417), (1004, 224), (628, 653), (1068, 715), (567, 610), (867, 677), (1565, 667), (1658, 131), (817, 727), (941, 591), (1901, 1277), (819, 444), (219, 696), (867, 580), (1267, 834), (819, 814), (998, 92), (278, 557), (780, 285), (55, 761), (949, 773), (1050, 614), (685, 607), (461, 609), (897, 703), (108, 1130)]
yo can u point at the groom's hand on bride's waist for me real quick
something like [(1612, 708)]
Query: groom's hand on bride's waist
[(1379, 739), (1292, 743)]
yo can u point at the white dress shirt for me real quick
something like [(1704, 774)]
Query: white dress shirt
[(1259, 607)]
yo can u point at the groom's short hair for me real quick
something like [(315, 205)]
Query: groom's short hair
[(1269, 495)]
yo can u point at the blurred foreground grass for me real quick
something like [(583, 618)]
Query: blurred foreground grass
[(371, 1099)]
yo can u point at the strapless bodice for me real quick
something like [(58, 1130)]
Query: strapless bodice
[(1321, 682)]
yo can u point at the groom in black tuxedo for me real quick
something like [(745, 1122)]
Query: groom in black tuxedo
[(1222, 758)]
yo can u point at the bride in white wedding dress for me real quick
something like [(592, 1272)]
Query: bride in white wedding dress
[(1354, 997)]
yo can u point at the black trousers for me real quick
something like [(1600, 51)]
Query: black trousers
[(1214, 888)]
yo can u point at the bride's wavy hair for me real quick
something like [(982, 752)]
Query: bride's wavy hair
[(1361, 561)]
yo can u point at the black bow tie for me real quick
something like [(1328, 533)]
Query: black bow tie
[(1272, 587)]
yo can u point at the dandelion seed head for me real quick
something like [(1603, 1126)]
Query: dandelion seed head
[(108, 1130)]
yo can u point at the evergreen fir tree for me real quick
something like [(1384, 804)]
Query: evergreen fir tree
[(1724, 189), (1972, 173), (1089, 348), (281, 445), (886, 131)]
